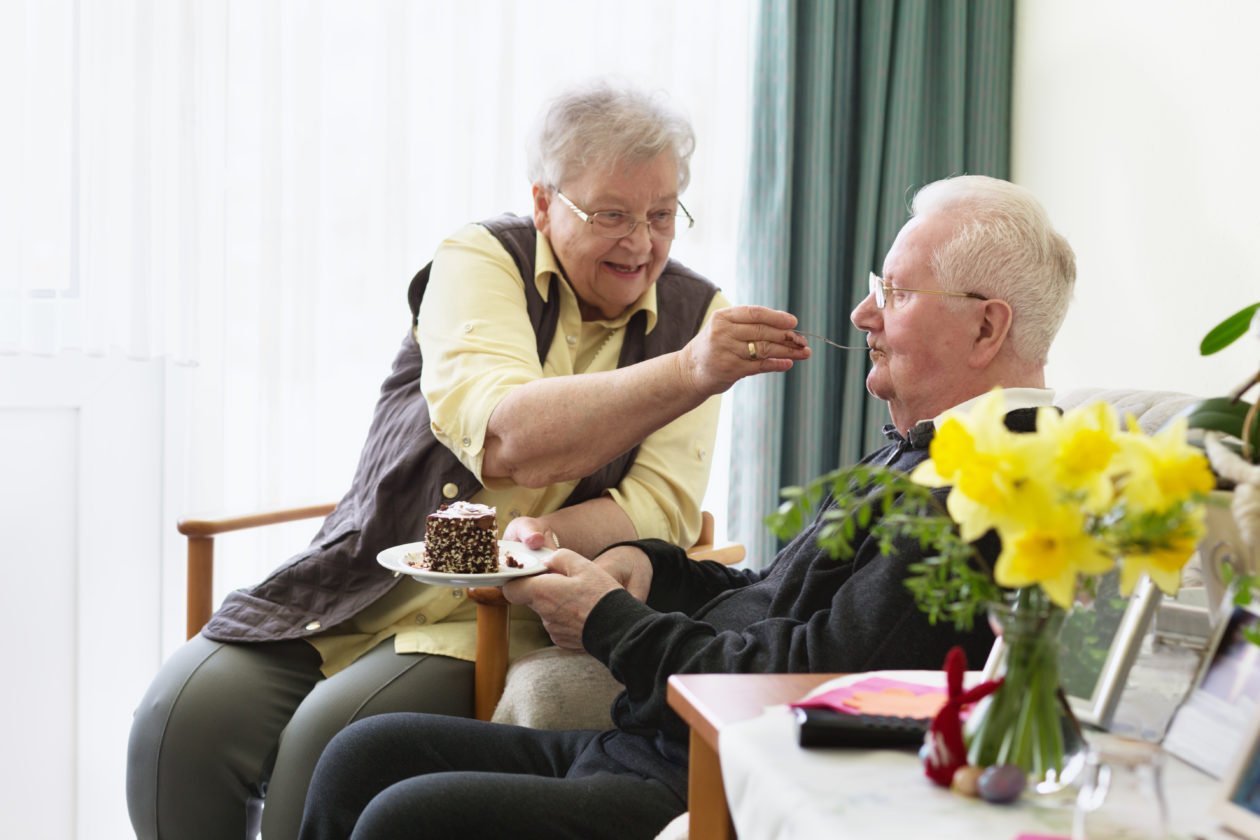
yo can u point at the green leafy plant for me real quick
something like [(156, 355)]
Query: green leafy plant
[(1237, 420), (952, 584), (1231, 414), (1245, 588), (1228, 331)]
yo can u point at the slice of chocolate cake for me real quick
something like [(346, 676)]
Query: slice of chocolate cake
[(459, 539)]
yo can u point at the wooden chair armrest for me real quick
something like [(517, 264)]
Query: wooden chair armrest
[(490, 668), (210, 527), (727, 553), (201, 534)]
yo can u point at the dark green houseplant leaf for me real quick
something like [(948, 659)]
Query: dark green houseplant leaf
[(1228, 331), (1221, 414)]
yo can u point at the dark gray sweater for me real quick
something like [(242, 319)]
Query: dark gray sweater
[(804, 613)]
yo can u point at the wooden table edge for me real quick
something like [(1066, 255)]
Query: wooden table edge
[(707, 702)]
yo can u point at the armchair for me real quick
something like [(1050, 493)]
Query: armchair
[(490, 672)]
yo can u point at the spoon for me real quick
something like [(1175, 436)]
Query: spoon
[(829, 341)]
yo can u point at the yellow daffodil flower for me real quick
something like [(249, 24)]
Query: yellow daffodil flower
[(1062, 498), (1052, 551), (1084, 446), (1163, 565)]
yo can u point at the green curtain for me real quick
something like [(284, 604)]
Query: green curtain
[(856, 104)]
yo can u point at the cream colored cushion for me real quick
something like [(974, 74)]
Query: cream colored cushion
[(1152, 408), (679, 828), (552, 688)]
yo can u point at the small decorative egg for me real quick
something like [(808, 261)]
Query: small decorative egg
[(1003, 783), (966, 780)]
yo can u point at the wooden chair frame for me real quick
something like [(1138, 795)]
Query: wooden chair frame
[(490, 670)]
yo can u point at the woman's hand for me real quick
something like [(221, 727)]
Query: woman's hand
[(534, 533), (739, 341)]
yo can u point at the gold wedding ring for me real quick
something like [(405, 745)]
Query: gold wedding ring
[(555, 540), (752, 352)]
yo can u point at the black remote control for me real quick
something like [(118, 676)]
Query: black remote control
[(829, 728)]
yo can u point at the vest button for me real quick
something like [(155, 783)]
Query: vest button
[(420, 619), (572, 339), (467, 442), (313, 625), (513, 513), (467, 328), (449, 490)]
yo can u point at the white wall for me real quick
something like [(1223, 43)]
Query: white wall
[(1137, 122), (80, 491)]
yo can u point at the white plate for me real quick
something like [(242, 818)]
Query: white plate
[(395, 559)]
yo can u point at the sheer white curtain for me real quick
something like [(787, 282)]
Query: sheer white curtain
[(243, 189)]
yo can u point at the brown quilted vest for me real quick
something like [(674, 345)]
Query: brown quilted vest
[(403, 468)]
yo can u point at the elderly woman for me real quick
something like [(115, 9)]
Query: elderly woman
[(570, 378)]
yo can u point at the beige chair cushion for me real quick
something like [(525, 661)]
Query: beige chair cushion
[(679, 828), (552, 688), (1152, 408)]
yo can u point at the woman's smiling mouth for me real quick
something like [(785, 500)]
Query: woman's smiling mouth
[(627, 270)]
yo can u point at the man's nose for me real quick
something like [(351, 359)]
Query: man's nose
[(865, 316)]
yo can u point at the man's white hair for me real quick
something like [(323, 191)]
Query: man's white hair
[(1003, 246)]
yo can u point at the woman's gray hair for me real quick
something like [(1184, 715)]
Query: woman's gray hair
[(1003, 247), (607, 124)]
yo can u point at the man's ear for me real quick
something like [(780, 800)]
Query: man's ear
[(542, 204), (995, 324)]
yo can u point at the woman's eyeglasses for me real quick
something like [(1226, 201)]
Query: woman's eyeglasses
[(613, 224)]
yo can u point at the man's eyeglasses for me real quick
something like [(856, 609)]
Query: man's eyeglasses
[(881, 290), (613, 224)]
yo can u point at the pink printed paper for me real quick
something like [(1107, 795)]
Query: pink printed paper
[(880, 696)]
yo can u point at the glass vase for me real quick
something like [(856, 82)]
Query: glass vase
[(1027, 721), (1122, 792)]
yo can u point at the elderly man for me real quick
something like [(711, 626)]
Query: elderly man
[(974, 288)]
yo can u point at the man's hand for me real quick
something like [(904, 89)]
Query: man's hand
[(566, 596)]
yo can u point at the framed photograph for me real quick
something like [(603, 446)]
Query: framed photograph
[(1097, 648), (1209, 726), (1238, 801), (1099, 644)]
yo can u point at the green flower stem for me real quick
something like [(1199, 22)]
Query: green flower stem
[(1023, 722)]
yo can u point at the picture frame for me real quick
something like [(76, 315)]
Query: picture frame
[(1237, 805), (1098, 645), (1209, 725)]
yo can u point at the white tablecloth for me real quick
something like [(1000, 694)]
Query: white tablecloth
[(779, 791)]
